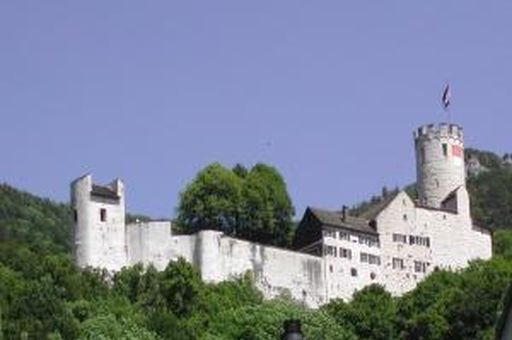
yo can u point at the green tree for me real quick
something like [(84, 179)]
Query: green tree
[(265, 321), (212, 201), (502, 243), (253, 205), (267, 209), (370, 315), (109, 327)]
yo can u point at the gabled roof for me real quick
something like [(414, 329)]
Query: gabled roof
[(336, 220), (377, 208), (106, 192)]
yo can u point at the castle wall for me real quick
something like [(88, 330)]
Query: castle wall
[(149, 242), (452, 240), (108, 243), (345, 275), (448, 233), (184, 246), (80, 195), (98, 243), (479, 242), (276, 271), (399, 220)]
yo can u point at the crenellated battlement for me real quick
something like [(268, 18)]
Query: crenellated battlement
[(443, 130)]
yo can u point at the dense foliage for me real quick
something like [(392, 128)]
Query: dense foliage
[(250, 204), (44, 296)]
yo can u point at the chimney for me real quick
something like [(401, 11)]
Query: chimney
[(344, 212)]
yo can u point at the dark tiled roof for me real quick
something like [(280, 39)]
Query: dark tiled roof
[(376, 209), (335, 219), (98, 190)]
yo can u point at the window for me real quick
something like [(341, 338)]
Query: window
[(398, 263), (330, 268), (330, 250), (353, 272), (405, 217), (346, 253), (75, 215), (369, 258), (422, 155), (344, 236), (419, 240), (103, 214), (445, 149), (369, 241), (328, 233), (401, 238), (374, 259), (420, 267)]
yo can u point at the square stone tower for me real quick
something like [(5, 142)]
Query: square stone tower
[(99, 238)]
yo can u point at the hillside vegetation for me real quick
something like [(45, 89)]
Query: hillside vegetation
[(490, 192), (44, 296)]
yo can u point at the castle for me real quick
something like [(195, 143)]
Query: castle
[(396, 243)]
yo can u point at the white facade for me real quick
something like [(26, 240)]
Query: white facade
[(407, 240)]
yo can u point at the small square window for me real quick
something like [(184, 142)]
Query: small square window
[(103, 214)]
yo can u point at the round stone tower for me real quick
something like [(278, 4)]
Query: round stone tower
[(439, 162)]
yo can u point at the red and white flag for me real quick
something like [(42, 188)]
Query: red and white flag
[(456, 151), (447, 96)]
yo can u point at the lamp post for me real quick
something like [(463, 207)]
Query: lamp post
[(292, 330)]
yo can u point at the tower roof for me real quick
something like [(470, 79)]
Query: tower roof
[(102, 191)]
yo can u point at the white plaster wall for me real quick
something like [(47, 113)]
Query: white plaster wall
[(149, 243), (453, 240), (438, 175), (390, 221), (479, 242), (183, 246), (276, 271), (108, 239), (448, 233), (339, 282), (80, 195), (99, 244)]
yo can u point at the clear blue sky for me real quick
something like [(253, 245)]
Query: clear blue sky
[(327, 91)]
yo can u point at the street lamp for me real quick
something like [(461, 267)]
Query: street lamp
[(292, 330)]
